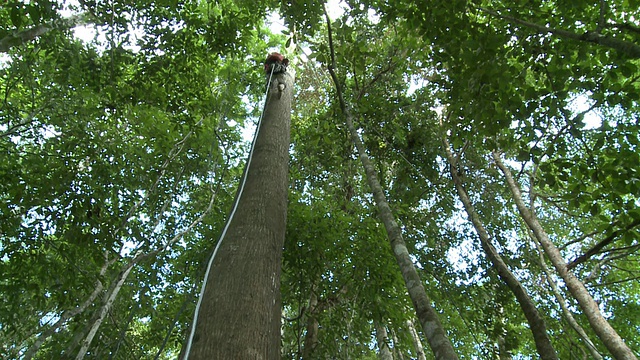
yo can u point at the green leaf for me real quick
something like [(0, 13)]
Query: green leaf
[(635, 214), (594, 210), (16, 15), (523, 155), (628, 69), (34, 13)]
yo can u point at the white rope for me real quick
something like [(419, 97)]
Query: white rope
[(226, 226)]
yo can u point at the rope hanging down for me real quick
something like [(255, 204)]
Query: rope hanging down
[(274, 64)]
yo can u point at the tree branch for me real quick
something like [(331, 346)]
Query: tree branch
[(626, 47), (20, 37), (599, 246)]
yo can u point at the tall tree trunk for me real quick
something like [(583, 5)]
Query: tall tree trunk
[(238, 315), (383, 342), (600, 325), (431, 325), (417, 344), (536, 321)]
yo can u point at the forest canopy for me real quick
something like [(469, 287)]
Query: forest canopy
[(501, 140)]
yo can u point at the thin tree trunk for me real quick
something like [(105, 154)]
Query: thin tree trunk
[(384, 351), (503, 353), (238, 314), (558, 295), (600, 325), (536, 321), (104, 309), (397, 351), (317, 307), (311, 335), (431, 325), (417, 344), (63, 319), (563, 305), (70, 313)]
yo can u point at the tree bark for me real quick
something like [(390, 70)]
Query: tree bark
[(563, 305), (589, 306), (417, 344), (383, 342), (239, 314), (536, 321)]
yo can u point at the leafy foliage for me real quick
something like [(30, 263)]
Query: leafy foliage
[(116, 147)]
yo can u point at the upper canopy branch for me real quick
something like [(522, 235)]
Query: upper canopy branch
[(626, 47), (20, 37)]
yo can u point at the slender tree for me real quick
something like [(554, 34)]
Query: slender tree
[(417, 344), (589, 306), (563, 305), (311, 336), (534, 318), (431, 325), (382, 338)]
